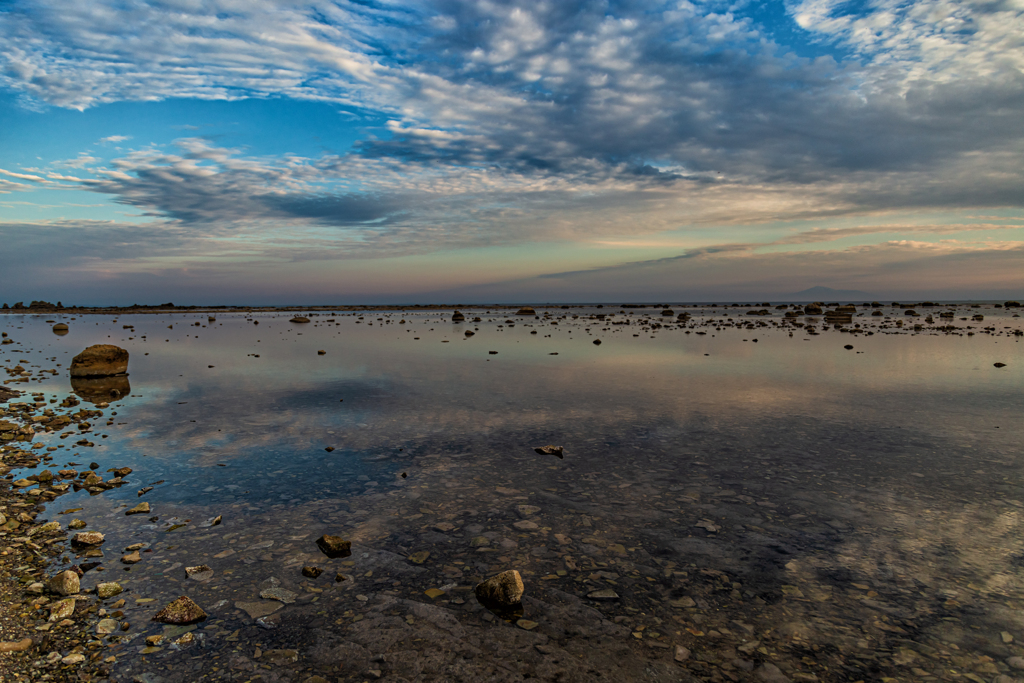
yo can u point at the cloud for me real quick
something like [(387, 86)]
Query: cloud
[(116, 138)]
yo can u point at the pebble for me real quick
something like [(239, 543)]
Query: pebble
[(502, 590), (181, 611)]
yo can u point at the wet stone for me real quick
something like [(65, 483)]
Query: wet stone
[(200, 572), (334, 546), (503, 590), (140, 509), (64, 583), (312, 572), (181, 611), (87, 538), (108, 590)]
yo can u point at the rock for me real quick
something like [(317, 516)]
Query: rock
[(1016, 663), (457, 317), (140, 509), (682, 653), (999, 365), (526, 525), (200, 572), (62, 609), (76, 524), (100, 360), (848, 347), (312, 572), (469, 333), (108, 590), (65, 583), (526, 624), (60, 328), (299, 319), (527, 510), (45, 476), (603, 594), (17, 645), (812, 309), (504, 590), (181, 611), (597, 342), (550, 450), (419, 557), (340, 577), (770, 673), (526, 310), (131, 558), (74, 658), (258, 609), (334, 546), (280, 594), (107, 626)]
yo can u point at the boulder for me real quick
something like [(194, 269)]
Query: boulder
[(457, 317), (503, 590), (812, 309), (526, 310), (60, 329), (180, 612), (100, 360), (334, 546)]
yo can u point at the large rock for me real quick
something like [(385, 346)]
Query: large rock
[(526, 310), (60, 329), (65, 583), (812, 309), (458, 317), (334, 546), (504, 590), (180, 612), (108, 590), (100, 360)]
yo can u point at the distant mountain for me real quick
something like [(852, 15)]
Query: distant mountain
[(820, 293)]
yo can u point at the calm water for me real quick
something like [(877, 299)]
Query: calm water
[(779, 507)]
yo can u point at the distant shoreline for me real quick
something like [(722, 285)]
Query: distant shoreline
[(137, 309)]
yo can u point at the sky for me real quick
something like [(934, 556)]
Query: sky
[(279, 152)]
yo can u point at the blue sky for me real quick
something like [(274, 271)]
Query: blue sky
[(308, 152)]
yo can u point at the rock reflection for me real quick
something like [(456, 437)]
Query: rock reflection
[(101, 389)]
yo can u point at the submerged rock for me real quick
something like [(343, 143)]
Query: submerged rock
[(334, 546), (100, 360), (108, 590), (180, 612), (503, 590), (299, 319), (101, 389), (140, 509), (312, 572), (200, 572)]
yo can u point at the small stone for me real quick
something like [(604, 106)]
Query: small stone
[(62, 609), (526, 624), (527, 510), (87, 538), (479, 541), (282, 594), (258, 609), (551, 450), (108, 590), (1016, 662), (181, 611), (312, 572), (999, 365), (340, 577), (75, 658), (603, 594), (131, 558), (1006, 637), (65, 583), (200, 572), (526, 525), (299, 319), (433, 593), (140, 509), (155, 640), (682, 653), (186, 640), (16, 645), (107, 626), (419, 557), (503, 590), (334, 546)]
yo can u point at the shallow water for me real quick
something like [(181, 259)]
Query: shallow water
[(762, 499)]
